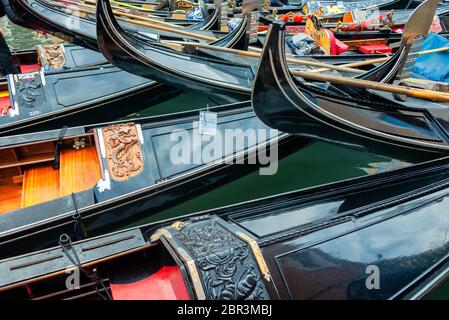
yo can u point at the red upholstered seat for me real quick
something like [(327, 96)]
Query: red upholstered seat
[(28, 68), (340, 47), (5, 104), (375, 48), (166, 284)]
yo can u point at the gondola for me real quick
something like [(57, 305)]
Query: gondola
[(67, 85), (322, 242), (38, 15), (224, 74), (377, 121), (163, 64), (82, 180)]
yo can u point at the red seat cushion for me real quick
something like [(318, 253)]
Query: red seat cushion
[(375, 48), (5, 105), (166, 284), (341, 46), (28, 68)]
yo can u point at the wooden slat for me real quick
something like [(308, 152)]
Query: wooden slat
[(10, 198), (10, 193), (40, 184), (80, 170)]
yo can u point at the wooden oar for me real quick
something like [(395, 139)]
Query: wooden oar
[(122, 14), (121, 6), (380, 60), (258, 55), (366, 84)]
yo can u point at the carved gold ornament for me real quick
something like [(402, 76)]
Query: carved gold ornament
[(52, 55), (123, 151)]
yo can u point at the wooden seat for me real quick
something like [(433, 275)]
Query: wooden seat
[(79, 170), (40, 184)]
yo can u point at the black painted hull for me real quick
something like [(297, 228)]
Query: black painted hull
[(325, 244)]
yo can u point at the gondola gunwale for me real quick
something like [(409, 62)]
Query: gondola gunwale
[(280, 73)]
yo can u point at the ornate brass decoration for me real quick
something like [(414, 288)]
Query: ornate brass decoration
[(123, 150), (52, 55), (224, 264)]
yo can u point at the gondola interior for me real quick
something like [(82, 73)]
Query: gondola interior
[(33, 173)]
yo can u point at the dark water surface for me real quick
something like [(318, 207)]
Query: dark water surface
[(316, 164)]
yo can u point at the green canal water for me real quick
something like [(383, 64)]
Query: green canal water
[(313, 165)]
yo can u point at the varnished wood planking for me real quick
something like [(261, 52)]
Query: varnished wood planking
[(10, 197), (40, 184), (10, 193), (80, 170)]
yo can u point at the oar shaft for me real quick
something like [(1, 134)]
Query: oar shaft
[(181, 32), (258, 55), (366, 84), (123, 14), (380, 60)]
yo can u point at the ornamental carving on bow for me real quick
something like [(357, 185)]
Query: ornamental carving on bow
[(225, 263), (28, 88), (123, 151), (52, 55)]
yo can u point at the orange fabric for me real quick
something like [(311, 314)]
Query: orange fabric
[(79, 170), (166, 284), (40, 184)]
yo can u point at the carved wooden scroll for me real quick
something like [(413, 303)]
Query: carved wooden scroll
[(123, 151), (52, 55)]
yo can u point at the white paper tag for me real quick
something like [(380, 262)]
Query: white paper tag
[(208, 123)]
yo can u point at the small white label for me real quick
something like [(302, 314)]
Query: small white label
[(208, 123)]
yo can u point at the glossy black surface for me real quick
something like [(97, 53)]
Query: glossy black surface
[(317, 242)]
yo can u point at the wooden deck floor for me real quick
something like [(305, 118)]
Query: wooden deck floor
[(79, 170)]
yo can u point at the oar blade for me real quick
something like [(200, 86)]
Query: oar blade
[(420, 21)]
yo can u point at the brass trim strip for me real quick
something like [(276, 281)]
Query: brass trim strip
[(257, 254)]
